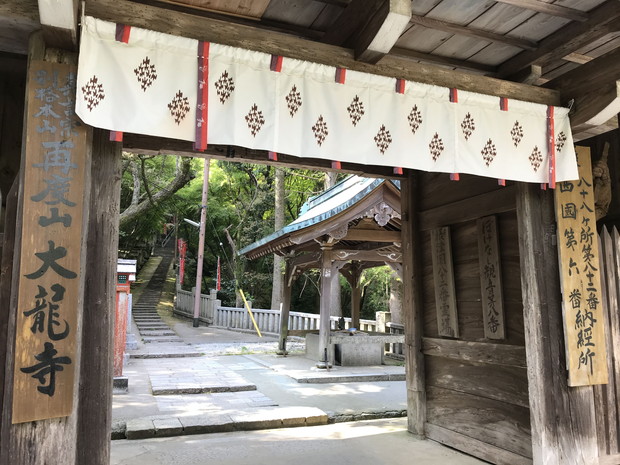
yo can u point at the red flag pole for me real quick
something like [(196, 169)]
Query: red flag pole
[(219, 276)]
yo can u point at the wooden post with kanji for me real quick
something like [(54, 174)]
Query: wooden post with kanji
[(584, 329)]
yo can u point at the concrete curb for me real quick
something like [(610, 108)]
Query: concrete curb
[(277, 417), (165, 426)]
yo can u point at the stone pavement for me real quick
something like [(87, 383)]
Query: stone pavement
[(373, 442)]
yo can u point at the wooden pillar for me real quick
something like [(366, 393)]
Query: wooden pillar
[(327, 274), (562, 418), (356, 295), (285, 308), (95, 396), (412, 308)]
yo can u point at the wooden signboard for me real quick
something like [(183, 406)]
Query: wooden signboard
[(491, 279), (443, 275), (584, 329), (53, 199)]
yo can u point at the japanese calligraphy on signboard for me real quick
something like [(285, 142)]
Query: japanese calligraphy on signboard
[(443, 276), (581, 284), (491, 279), (53, 197)]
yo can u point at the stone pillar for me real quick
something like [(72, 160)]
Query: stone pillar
[(132, 341), (327, 274), (382, 318)]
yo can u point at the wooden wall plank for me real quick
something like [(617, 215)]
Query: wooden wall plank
[(490, 203), (443, 277), (499, 382), (478, 352), (474, 447), (497, 423)]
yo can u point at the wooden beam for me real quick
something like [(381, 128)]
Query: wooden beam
[(548, 8), (381, 31), (473, 32), (478, 352), (577, 58), (366, 255), (95, 402), (59, 20), (602, 20), (562, 418), (413, 312), (373, 235), (441, 60), (594, 87), (353, 17), (529, 75), (585, 131), (255, 38)]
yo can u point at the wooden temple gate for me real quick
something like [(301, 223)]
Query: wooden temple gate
[(493, 387)]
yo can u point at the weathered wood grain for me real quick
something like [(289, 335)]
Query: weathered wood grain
[(497, 201), (474, 447), (95, 392), (497, 423), (478, 352), (412, 306), (493, 381), (563, 429)]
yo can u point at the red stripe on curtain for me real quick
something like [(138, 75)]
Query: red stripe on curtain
[(551, 145), (122, 33), (503, 103), (116, 136), (273, 156), (398, 170), (501, 182), (202, 104), (276, 63), (454, 95), (400, 86), (341, 74), (336, 165), (455, 177)]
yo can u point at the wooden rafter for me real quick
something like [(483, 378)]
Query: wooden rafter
[(594, 87), (370, 28), (602, 20), (473, 32), (255, 38), (548, 8), (372, 235)]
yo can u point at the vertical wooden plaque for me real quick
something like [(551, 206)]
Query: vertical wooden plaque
[(584, 329), (443, 274), (53, 201), (491, 279)]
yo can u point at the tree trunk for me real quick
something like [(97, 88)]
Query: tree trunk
[(182, 178), (276, 290)]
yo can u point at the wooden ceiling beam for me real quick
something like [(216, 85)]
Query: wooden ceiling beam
[(473, 32), (602, 20), (594, 87), (255, 38), (371, 28), (59, 20), (441, 60), (548, 8)]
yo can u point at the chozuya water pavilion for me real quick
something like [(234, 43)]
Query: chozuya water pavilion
[(511, 353), (350, 227)]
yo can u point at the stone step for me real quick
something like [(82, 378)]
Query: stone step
[(149, 340), (180, 352), (157, 333)]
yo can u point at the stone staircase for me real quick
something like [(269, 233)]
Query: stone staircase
[(150, 325)]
